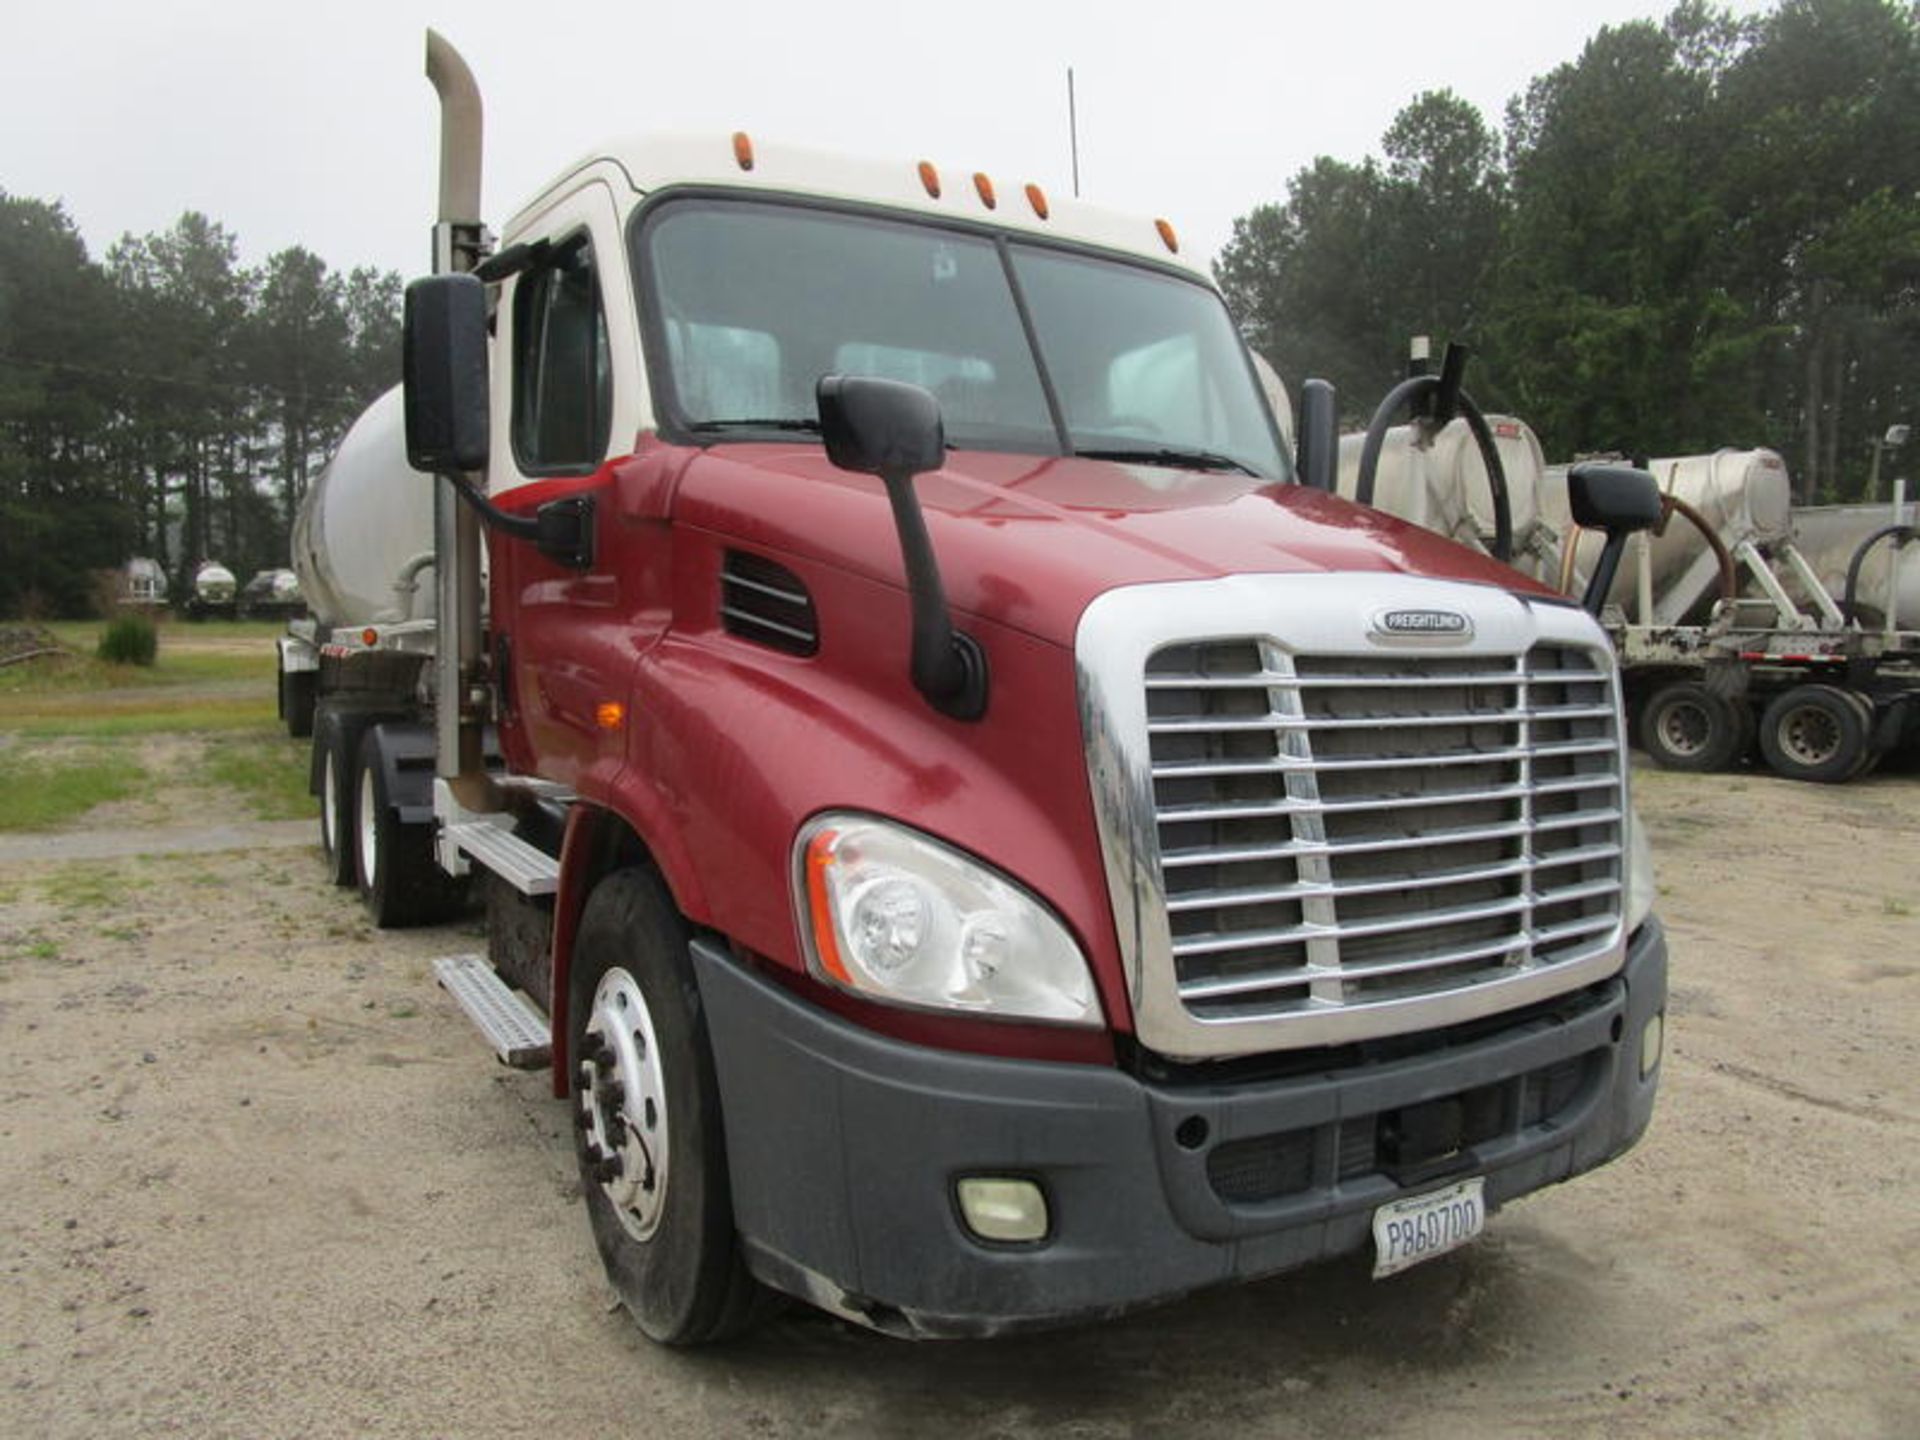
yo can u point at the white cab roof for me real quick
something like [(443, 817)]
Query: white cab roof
[(658, 162)]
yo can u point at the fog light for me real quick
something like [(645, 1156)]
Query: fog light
[(1651, 1039), (1010, 1212)]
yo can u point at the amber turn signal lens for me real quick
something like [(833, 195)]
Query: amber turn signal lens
[(610, 715)]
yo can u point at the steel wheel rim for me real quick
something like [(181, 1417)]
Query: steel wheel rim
[(623, 1104), (1809, 734), (1685, 727), (369, 831)]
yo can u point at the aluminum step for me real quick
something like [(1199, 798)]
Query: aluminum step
[(513, 1027), (527, 868)]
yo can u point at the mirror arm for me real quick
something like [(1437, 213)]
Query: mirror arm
[(949, 668), (562, 530)]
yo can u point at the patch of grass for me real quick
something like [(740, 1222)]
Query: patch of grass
[(156, 714), (129, 640), (36, 796), (1891, 906), (268, 771), (36, 946), (88, 887)]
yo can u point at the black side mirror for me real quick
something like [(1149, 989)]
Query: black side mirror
[(880, 427), (893, 430), (1317, 451), (444, 363), (1618, 499)]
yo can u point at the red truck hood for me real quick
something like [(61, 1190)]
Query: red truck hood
[(1029, 541)]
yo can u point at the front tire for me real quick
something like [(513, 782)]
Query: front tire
[(652, 1154)]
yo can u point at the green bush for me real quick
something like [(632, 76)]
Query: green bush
[(130, 640)]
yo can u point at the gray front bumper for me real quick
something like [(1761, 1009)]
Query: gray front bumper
[(844, 1146)]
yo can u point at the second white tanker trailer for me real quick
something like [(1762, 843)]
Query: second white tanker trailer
[(1743, 627)]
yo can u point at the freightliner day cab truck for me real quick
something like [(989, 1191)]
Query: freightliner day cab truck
[(993, 847)]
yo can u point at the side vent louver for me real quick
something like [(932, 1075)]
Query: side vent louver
[(766, 603)]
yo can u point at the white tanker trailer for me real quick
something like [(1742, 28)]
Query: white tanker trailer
[(1709, 671), (362, 552), (1441, 484), (1828, 535)]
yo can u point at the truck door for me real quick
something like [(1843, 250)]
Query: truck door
[(566, 401)]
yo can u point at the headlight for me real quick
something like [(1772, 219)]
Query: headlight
[(1640, 882), (893, 915)]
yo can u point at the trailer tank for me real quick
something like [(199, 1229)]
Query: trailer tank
[(1742, 494), (364, 533), (1443, 487), (1829, 534)]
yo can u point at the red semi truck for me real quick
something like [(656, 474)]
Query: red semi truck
[(990, 846)]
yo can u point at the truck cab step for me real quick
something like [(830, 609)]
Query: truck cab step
[(527, 868), (513, 1027)]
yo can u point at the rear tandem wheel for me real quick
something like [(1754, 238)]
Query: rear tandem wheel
[(1818, 732), (1686, 725)]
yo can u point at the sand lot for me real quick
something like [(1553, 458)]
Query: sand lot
[(260, 1178)]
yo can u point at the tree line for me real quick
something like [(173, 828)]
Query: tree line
[(168, 401), (1701, 232)]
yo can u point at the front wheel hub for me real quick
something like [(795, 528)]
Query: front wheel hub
[(623, 1103)]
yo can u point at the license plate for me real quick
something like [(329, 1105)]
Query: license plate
[(1405, 1232)]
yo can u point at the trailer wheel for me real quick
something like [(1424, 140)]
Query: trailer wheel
[(400, 882), (336, 747), (296, 701), (652, 1154), (1815, 732), (1686, 726)]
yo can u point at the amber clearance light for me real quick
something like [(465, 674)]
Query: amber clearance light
[(743, 149), (825, 944)]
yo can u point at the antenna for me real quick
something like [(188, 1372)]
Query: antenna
[(1073, 133)]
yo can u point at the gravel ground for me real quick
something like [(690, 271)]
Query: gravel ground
[(261, 1179)]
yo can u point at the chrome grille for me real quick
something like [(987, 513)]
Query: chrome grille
[(1348, 830)]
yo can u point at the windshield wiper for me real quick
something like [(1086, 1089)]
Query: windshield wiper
[(799, 423), (1169, 456)]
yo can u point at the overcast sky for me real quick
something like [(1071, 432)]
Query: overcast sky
[(312, 124)]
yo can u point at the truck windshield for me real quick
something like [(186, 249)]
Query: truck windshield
[(750, 303)]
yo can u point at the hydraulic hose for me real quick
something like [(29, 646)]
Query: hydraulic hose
[(1904, 534), (1419, 387)]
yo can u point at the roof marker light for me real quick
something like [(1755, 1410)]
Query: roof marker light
[(1037, 198), (930, 178), (1167, 237), (743, 149), (369, 637), (985, 187)]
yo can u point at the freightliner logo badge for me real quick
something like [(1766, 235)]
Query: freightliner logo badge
[(1423, 624)]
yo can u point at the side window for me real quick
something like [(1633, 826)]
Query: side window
[(562, 378)]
